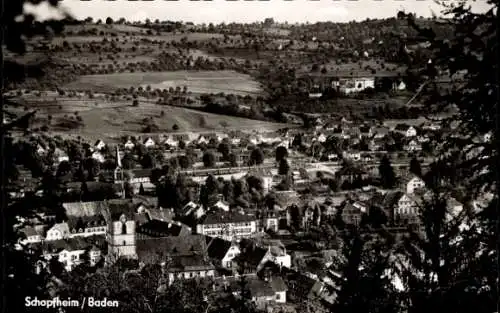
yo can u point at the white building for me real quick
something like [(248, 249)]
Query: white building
[(415, 183), (411, 132), (58, 232), (406, 206), (129, 145), (99, 145), (149, 142), (171, 141), (32, 235), (98, 156), (321, 138), (227, 225), (353, 85), (71, 252)]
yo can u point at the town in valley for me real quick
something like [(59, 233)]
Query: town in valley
[(228, 165)]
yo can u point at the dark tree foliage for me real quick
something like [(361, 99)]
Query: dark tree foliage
[(453, 266), (281, 153), (415, 167), (256, 157), (367, 287), (387, 175), (209, 159), (284, 167), (19, 277)]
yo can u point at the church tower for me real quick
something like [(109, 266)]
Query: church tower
[(122, 237)]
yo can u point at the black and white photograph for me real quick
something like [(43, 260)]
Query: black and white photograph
[(329, 156)]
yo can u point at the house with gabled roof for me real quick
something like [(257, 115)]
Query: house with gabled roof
[(413, 146), (222, 252), (60, 156), (32, 234), (186, 258), (58, 231), (129, 144), (41, 149), (171, 141), (70, 252), (149, 142), (353, 211), (252, 257), (378, 132), (99, 145), (398, 206), (264, 293), (412, 184), (98, 156)]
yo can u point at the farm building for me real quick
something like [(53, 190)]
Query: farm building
[(353, 84), (349, 83)]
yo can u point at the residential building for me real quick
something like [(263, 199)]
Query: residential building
[(99, 145), (263, 293), (171, 141), (129, 144), (413, 184), (73, 252), (268, 221), (222, 252), (408, 131), (227, 225), (353, 211), (321, 138), (413, 146), (98, 156), (32, 234), (60, 156), (378, 132), (58, 231), (149, 142), (252, 257), (182, 258)]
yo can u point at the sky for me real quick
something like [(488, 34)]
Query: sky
[(217, 11)]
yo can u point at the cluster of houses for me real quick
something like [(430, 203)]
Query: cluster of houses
[(137, 228), (220, 241), (233, 138)]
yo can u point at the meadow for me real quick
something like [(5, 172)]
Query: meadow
[(111, 119), (196, 82)]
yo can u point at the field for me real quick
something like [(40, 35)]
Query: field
[(196, 82), (105, 119)]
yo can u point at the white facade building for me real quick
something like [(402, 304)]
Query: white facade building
[(353, 85)]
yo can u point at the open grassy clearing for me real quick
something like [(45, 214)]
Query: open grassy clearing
[(109, 120), (196, 82)]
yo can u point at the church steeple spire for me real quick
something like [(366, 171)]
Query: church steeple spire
[(119, 170), (118, 159)]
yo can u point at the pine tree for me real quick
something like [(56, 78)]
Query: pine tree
[(415, 167), (452, 264), (387, 175)]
